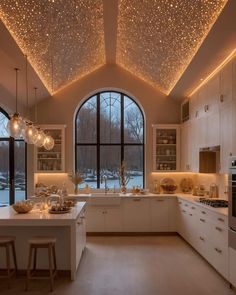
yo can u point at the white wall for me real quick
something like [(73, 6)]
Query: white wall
[(60, 108)]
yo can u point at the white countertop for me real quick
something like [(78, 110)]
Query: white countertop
[(187, 197), (8, 217)]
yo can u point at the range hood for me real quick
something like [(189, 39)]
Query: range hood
[(209, 159)]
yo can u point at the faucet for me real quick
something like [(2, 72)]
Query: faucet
[(104, 179)]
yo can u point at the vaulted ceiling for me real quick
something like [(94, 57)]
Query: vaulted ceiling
[(156, 40)]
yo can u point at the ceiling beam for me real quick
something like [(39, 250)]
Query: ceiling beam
[(110, 15)]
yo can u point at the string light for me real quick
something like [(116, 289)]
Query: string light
[(158, 39)]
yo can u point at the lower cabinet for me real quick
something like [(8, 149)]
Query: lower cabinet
[(80, 236), (104, 219), (207, 232), (232, 266), (134, 214)]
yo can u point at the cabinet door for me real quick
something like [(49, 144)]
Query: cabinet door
[(226, 85), (213, 129), (95, 220), (113, 219), (194, 155), (79, 240), (226, 134), (136, 215), (232, 266), (185, 147), (172, 215), (159, 215)]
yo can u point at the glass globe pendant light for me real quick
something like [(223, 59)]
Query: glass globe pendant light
[(40, 138), (15, 124), (48, 143)]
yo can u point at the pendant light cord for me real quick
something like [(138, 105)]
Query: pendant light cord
[(35, 103), (16, 69), (27, 85)]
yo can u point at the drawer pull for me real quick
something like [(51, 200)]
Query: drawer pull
[(136, 200), (183, 211), (190, 214), (82, 217), (221, 219), (218, 228), (180, 202), (203, 212), (160, 200), (193, 208), (186, 205), (218, 250), (202, 220), (201, 238)]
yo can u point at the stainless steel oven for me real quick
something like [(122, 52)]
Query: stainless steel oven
[(232, 202)]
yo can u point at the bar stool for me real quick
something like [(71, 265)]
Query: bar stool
[(7, 242), (35, 244)]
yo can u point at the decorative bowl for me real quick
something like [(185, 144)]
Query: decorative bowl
[(168, 185), (23, 206)]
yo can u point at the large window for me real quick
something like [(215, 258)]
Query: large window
[(109, 129), (12, 165)]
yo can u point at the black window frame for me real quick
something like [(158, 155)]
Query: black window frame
[(12, 141), (98, 144)]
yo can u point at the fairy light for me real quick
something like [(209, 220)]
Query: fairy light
[(158, 39), (75, 37)]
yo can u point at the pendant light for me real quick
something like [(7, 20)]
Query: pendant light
[(15, 123), (30, 132), (48, 143)]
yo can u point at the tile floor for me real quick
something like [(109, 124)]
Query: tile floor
[(162, 265)]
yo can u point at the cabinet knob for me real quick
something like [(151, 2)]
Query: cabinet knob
[(193, 208), (136, 200), (183, 211), (206, 108), (202, 220), (190, 214), (186, 205), (221, 97), (203, 212), (160, 200), (196, 114), (218, 228), (218, 250), (201, 238), (221, 219)]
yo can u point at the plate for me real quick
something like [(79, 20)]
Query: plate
[(59, 211), (186, 185)]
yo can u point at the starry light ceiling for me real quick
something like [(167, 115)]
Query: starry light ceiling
[(63, 39), (157, 39)]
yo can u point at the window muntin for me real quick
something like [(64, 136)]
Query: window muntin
[(109, 128)]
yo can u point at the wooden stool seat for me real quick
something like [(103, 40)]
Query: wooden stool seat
[(6, 239), (37, 243), (42, 240), (8, 242)]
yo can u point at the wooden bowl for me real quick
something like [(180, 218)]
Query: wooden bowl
[(23, 206)]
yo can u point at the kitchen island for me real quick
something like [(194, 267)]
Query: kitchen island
[(68, 228)]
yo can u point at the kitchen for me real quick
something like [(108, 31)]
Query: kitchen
[(141, 181)]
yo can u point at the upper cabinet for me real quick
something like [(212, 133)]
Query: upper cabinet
[(212, 113), (166, 148), (52, 160)]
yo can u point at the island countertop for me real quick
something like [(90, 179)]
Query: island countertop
[(8, 217)]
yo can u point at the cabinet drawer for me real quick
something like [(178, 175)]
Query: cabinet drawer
[(218, 235), (219, 260)]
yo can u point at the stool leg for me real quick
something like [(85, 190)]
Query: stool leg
[(14, 256), (35, 258), (8, 265), (54, 258), (50, 266), (28, 268)]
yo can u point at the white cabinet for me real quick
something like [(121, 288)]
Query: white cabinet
[(186, 146), (226, 136), (104, 219), (207, 232), (232, 266), (80, 236), (53, 160), (159, 214), (226, 84), (166, 148), (136, 214)]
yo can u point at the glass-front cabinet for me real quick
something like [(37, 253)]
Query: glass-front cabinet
[(52, 160), (166, 153)]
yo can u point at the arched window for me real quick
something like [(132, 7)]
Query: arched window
[(12, 165), (109, 129)]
